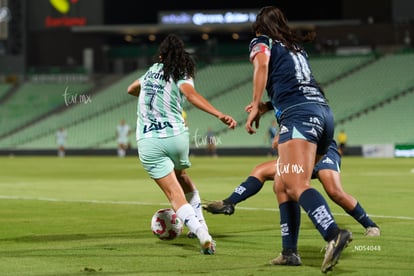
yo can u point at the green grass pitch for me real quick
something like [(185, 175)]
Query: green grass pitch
[(91, 215)]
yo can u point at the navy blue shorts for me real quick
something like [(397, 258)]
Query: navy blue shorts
[(330, 161), (311, 122)]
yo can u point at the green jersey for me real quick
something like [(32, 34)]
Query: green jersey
[(160, 105)]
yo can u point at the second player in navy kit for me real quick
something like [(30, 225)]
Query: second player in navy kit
[(327, 171), (306, 127)]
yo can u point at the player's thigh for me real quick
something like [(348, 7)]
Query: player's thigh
[(178, 149), (153, 158), (296, 162)]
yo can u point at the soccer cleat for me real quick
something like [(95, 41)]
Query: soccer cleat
[(373, 232), (219, 207), (208, 245), (334, 250), (292, 259), (209, 248)]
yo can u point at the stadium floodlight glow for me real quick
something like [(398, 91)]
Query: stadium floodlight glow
[(205, 36), (152, 37), (128, 38), (235, 36)]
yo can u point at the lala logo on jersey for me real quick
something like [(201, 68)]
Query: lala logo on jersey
[(156, 126), (62, 6)]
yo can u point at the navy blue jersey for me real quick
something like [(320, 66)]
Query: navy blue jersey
[(290, 81)]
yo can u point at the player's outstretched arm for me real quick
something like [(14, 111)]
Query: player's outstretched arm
[(201, 103)]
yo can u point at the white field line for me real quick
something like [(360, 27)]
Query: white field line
[(166, 204)]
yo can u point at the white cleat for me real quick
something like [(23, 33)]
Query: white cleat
[(373, 232)]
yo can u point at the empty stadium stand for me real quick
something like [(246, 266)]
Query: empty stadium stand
[(371, 96)]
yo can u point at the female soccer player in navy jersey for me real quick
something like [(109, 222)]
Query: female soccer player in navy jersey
[(306, 125), (327, 171)]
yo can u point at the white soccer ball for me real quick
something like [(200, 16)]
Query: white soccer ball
[(166, 225)]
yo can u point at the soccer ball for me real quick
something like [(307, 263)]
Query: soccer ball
[(166, 225)]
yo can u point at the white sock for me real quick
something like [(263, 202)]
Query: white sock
[(194, 199), (204, 237), (187, 215)]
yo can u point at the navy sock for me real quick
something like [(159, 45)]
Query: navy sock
[(248, 188), (359, 214), (289, 226), (318, 211)]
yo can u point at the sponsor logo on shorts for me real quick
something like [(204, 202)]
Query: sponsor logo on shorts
[(328, 160), (152, 167), (283, 129), (313, 132)]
